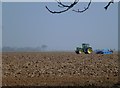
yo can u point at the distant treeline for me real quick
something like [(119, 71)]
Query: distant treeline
[(24, 49), (32, 49)]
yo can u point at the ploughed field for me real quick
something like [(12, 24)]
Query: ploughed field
[(59, 69)]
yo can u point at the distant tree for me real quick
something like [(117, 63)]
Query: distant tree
[(68, 7), (43, 47), (8, 49)]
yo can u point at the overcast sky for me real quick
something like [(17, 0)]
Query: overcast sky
[(31, 25), (0, 25)]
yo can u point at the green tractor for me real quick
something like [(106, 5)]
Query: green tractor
[(84, 49)]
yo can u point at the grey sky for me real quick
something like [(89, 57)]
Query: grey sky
[(0, 25), (31, 25)]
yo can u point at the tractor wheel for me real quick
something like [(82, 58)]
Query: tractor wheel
[(77, 52), (80, 51), (89, 50)]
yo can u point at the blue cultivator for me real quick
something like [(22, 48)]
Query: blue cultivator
[(104, 51)]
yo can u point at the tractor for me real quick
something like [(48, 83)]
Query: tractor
[(86, 48)]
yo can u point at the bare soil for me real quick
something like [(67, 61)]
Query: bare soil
[(59, 69)]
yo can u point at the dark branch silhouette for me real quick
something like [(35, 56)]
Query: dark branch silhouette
[(85, 8), (62, 5), (106, 7), (68, 7)]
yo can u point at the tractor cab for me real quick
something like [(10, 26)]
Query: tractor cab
[(84, 45)]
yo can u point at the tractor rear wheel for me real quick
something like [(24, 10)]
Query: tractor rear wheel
[(89, 50)]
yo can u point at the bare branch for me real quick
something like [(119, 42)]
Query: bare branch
[(106, 7), (56, 11), (68, 7), (61, 4), (85, 8)]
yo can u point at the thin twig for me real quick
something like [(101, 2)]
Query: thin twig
[(106, 7), (85, 8)]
